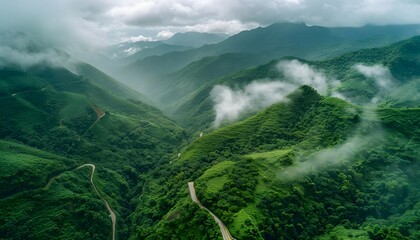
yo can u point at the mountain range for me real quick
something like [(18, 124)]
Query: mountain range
[(288, 132), (257, 46)]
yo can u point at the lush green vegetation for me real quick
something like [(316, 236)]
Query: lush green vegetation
[(68, 209), (245, 173), (314, 167), (53, 121), (196, 109)]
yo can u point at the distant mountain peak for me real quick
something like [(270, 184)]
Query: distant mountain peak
[(195, 39)]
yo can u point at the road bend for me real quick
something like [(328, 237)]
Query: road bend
[(108, 207), (223, 229)]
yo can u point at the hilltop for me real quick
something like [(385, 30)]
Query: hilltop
[(400, 58), (295, 170)]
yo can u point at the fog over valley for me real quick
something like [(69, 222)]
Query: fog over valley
[(183, 119)]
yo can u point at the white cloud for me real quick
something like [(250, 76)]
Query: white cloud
[(301, 74), (320, 12), (380, 75), (139, 38), (229, 103), (69, 25), (17, 49), (80, 26), (340, 154), (218, 26), (165, 34), (369, 132)]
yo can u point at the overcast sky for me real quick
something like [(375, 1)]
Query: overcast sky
[(81, 24)]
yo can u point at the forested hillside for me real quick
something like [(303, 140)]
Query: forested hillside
[(315, 165), (53, 121), (196, 108), (290, 149)]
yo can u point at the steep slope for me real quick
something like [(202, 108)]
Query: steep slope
[(62, 208), (294, 171), (175, 86), (54, 121), (265, 44), (400, 58), (108, 83)]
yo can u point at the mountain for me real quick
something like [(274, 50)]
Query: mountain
[(153, 51), (126, 49), (328, 150), (195, 39), (128, 52), (185, 82), (54, 121), (265, 44), (401, 58), (311, 166)]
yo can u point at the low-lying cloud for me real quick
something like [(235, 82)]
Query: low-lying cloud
[(17, 50), (341, 154), (302, 74), (367, 133), (382, 77), (231, 103)]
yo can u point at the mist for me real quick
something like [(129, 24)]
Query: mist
[(230, 103), (66, 25), (302, 74), (17, 50), (367, 133), (381, 76)]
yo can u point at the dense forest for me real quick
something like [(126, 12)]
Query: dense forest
[(334, 163)]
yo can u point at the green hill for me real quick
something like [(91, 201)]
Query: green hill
[(52, 121), (175, 86), (196, 108), (294, 171), (310, 167)]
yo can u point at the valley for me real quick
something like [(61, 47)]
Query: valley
[(282, 130)]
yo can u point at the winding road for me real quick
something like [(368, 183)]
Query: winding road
[(223, 229), (108, 207)]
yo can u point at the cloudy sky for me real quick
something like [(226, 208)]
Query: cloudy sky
[(81, 24)]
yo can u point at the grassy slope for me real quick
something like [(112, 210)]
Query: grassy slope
[(26, 168), (51, 109)]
